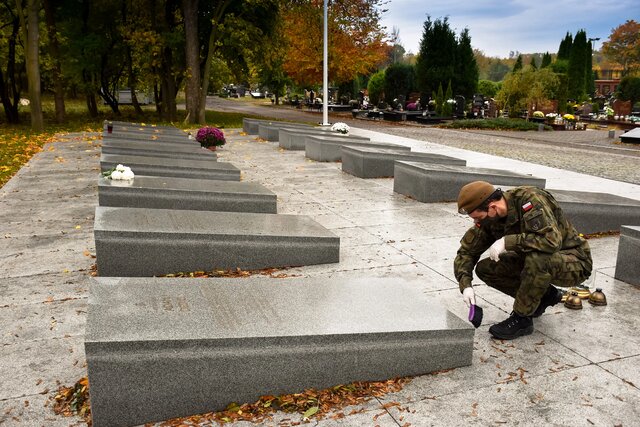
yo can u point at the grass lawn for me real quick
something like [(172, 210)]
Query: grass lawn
[(18, 143)]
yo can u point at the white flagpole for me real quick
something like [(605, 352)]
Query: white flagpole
[(325, 73)]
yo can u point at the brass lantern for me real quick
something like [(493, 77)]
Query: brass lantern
[(573, 301), (598, 297)]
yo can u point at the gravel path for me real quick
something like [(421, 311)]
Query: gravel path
[(590, 152)]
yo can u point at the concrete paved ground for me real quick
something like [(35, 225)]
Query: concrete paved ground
[(578, 368)]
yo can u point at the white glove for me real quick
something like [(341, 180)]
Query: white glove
[(496, 249), (469, 296)]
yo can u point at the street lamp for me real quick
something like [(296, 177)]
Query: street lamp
[(594, 39)]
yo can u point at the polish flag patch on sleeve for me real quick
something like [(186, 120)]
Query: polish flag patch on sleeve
[(527, 207)]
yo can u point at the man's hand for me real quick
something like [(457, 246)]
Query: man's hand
[(496, 249), (469, 296)]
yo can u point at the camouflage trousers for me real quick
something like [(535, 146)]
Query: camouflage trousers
[(526, 277)]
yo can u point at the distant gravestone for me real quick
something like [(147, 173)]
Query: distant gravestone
[(323, 149), (159, 348), (294, 139), (433, 183), (369, 162)]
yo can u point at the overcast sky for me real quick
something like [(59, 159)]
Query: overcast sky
[(498, 27)]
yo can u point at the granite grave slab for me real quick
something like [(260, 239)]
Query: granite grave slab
[(628, 261), (180, 168), (151, 242), (431, 183), (369, 162), (631, 137), (159, 348), (150, 137), (294, 139), (325, 149), (157, 149), (251, 126), (271, 131), (160, 192), (140, 127), (597, 212)]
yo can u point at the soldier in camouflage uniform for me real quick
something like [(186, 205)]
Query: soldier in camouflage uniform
[(531, 245)]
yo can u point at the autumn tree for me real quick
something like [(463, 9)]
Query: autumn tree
[(488, 88), (356, 40), (270, 63), (528, 88), (623, 46), (227, 29)]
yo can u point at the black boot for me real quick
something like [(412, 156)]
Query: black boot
[(513, 327), (550, 298)]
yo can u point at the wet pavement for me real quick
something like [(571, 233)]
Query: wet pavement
[(577, 368)]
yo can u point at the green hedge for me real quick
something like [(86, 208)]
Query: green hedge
[(497, 124)]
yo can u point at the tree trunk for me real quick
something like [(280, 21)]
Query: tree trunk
[(168, 88), (192, 56), (92, 106), (8, 88), (56, 72), (31, 37), (220, 10)]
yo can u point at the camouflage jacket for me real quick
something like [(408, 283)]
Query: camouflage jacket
[(534, 222)]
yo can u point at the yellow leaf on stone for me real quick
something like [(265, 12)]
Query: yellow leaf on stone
[(78, 227)]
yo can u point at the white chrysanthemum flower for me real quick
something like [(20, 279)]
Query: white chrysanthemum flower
[(120, 168), (128, 174), (116, 174), (340, 128), (24, 102)]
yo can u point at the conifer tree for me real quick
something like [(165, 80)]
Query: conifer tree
[(546, 60), (436, 58), (564, 51), (533, 63), (518, 65), (439, 98), (590, 85), (576, 73), (467, 72)]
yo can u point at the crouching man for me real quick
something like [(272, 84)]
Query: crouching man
[(531, 246)]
